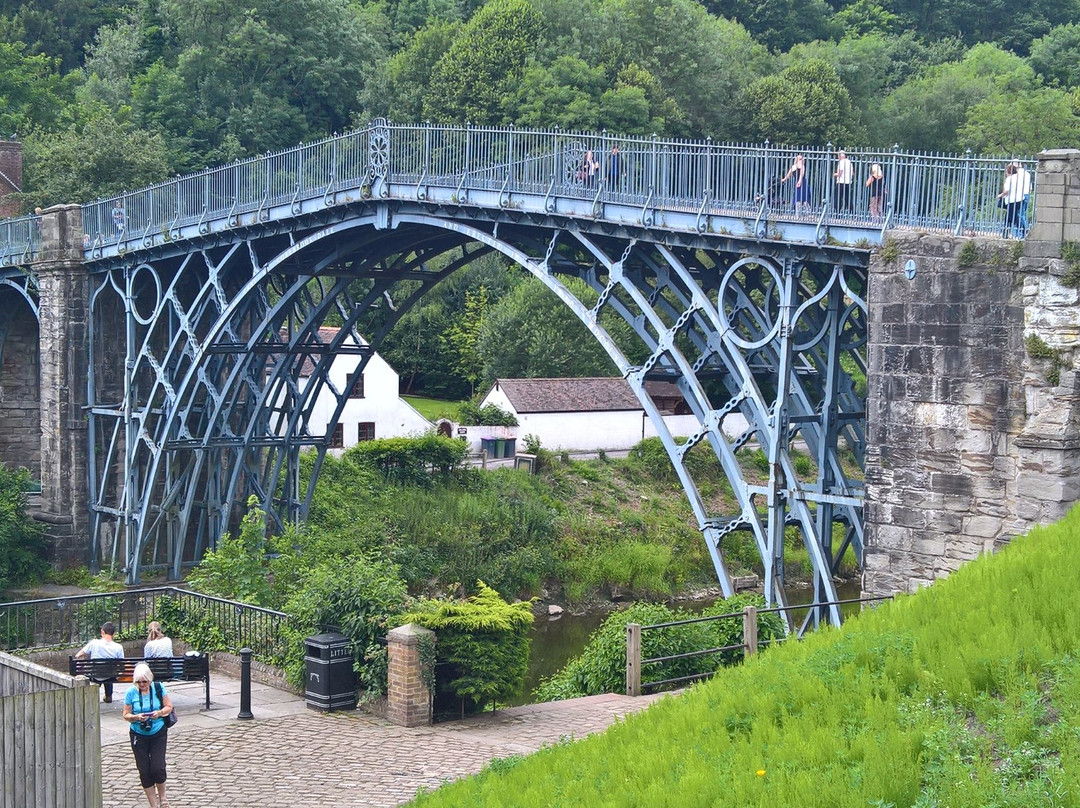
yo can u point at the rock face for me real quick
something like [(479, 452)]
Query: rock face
[(972, 414)]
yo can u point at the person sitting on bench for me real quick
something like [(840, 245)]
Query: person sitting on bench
[(104, 648)]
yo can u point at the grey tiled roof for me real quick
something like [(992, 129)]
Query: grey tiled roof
[(593, 394)]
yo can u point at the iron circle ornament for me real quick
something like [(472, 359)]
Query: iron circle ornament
[(135, 279), (378, 149), (747, 278), (573, 154)]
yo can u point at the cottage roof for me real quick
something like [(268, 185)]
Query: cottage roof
[(590, 394)]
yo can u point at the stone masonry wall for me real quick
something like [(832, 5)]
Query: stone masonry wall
[(20, 435), (973, 429), (63, 283)]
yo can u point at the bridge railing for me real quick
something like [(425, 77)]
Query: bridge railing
[(942, 192), (66, 622), (20, 240)]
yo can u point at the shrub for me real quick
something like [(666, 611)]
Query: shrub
[(236, 569), (484, 643), (357, 597), (601, 667), (412, 461), (472, 414), (22, 540)]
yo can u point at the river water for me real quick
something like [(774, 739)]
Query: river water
[(555, 641)]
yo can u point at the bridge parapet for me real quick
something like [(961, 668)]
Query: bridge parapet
[(682, 185), (972, 413)]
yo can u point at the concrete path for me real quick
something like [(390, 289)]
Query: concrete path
[(291, 756)]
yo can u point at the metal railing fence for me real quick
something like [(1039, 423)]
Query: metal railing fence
[(715, 657), (922, 190), (69, 622)]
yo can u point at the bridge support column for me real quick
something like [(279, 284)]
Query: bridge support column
[(63, 287), (973, 411)]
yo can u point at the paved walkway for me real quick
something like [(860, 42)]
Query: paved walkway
[(292, 756)]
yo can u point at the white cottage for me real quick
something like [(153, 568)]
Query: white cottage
[(589, 414), (374, 409)]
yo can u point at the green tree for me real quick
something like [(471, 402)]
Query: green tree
[(463, 337), (57, 29), (485, 642), (1056, 56), (97, 157), (229, 69), (928, 111), (32, 94), (700, 62), (805, 104), (564, 94), (1012, 26), (1026, 123), (782, 23), (530, 333), (401, 83), (22, 543), (483, 64)]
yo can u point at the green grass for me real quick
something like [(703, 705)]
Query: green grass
[(965, 695), (433, 408)]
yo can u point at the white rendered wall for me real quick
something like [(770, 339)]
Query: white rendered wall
[(381, 405), (590, 431)]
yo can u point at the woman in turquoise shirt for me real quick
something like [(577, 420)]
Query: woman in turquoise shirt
[(145, 707)]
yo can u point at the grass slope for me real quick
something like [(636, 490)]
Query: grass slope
[(966, 694)]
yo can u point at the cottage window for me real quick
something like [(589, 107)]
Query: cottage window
[(357, 390)]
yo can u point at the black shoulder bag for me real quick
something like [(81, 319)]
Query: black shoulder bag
[(170, 719)]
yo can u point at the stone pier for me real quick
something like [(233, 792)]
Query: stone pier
[(973, 428), (64, 295)]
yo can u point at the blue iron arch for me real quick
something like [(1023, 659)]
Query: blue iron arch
[(213, 410)]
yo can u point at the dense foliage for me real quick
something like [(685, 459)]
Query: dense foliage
[(22, 547), (601, 667), (483, 643), (109, 95), (966, 694), (150, 88)]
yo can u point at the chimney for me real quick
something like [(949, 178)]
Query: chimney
[(11, 177)]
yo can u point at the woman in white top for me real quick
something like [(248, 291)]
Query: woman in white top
[(157, 644), (1012, 195)]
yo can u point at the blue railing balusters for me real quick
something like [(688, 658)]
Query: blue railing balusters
[(930, 191)]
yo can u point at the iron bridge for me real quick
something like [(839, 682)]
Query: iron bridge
[(207, 294)]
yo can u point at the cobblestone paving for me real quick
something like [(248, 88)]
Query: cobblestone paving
[(342, 760)]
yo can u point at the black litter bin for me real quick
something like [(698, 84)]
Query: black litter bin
[(330, 683)]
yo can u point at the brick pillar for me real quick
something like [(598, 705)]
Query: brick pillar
[(63, 284), (408, 700)]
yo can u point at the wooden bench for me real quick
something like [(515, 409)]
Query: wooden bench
[(192, 668)]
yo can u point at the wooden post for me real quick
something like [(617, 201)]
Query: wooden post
[(633, 659), (749, 628)]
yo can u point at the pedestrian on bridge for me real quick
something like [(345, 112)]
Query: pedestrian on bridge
[(843, 175), (800, 200), (614, 171), (119, 218), (1012, 199), (876, 183), (588, 170)]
